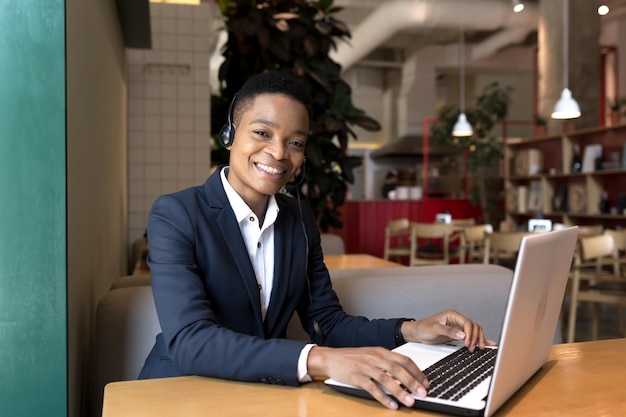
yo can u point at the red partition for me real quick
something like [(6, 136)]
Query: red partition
[(365, 221)]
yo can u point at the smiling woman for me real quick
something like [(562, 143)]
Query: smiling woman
[(232, 260)]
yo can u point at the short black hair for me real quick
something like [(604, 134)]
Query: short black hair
[(272, 82)]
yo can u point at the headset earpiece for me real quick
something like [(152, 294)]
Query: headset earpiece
[(227, 135), (227, 132)]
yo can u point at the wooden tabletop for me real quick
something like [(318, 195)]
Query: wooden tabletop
[(356, 261), (579, 379)]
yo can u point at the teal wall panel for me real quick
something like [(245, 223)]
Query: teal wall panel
[(33, 300)]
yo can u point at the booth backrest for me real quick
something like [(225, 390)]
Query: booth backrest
[(477, 291), (126, 327)]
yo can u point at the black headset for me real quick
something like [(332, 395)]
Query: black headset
[(319, 332), (227, 132)]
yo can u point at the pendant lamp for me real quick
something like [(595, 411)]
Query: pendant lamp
[(566, 107), (518, 6), (462, 127)]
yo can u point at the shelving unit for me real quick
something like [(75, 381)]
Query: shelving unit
[(584, 189)]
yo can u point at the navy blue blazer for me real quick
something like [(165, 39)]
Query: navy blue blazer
[(208, 301)]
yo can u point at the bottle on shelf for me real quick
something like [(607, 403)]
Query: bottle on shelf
[(576, 159), (604, 203)]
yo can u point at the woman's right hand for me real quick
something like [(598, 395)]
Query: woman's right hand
[(372, 369)]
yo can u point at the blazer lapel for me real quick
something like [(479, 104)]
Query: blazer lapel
[(283, 261), (232, 238)]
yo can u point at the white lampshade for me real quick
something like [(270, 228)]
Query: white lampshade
[(566, 107), (518, 6), (603, 10), (462, 127)]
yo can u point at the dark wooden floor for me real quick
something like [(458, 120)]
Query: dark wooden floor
[(609, 326)]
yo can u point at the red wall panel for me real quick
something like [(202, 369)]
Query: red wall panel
[(365, 221)]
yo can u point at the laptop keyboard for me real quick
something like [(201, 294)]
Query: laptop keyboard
[(456, 374)]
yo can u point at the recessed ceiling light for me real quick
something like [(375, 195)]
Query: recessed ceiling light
[(603, 10)]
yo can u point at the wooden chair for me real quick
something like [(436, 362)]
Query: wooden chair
[(502, 247), (593, 230), (463, 222), (397, 239), (588, 231), (619, 237), (430, 243), (473, 240), (595, 252), (506, 226), (332, 244)]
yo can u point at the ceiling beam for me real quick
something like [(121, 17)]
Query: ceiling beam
[(135, 21)]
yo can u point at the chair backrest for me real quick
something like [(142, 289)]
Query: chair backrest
[(126, 328), (130, 281), (432, 230), (332, 244), (592, 253), (506, 226), (590, 257), (473, 241), (477, 233), (481, 292), (594, 230), (502, 244), (463, 222), (619, 237), (436, 249), (395, 227), (397, 231), (597, 247)]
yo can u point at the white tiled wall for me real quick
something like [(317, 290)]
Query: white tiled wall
[(169, 109)]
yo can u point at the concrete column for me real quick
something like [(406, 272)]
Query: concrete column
[(418, 91), (583, 56)]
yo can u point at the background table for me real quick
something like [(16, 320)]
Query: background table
[(579, 379), (355, 261)]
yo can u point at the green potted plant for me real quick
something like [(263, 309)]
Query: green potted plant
[(615, 110), (540, 126), (483, 148), (296, 36)]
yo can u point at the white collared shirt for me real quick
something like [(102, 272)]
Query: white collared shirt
[(260, 245), (259, 240)]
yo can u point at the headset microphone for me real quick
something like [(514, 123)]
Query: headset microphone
[(296, 184)]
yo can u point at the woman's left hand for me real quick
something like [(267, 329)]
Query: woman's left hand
[(444, 327)]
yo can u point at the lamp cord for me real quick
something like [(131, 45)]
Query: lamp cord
[(565, 43), (462, 62)]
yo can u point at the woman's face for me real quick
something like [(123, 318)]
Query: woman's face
[(268, 148)]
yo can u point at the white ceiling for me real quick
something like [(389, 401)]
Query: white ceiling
[(410, 39), (492, 33)]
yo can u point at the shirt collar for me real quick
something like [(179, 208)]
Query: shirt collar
[(241, 209)]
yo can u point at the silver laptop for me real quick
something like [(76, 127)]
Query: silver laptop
[(529, 325)]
